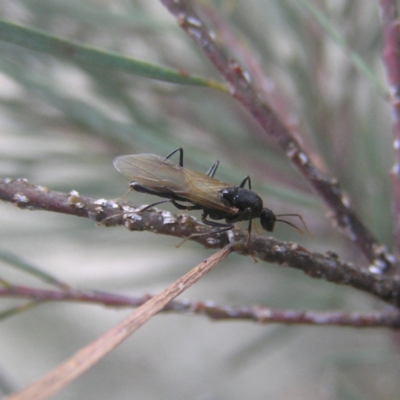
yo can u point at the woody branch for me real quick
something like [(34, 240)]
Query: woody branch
[(391, 59), (109, 213), (243, 91), (216, 312)]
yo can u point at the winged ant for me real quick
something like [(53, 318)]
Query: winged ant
[(158, 176)]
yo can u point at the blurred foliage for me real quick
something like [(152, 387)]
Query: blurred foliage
[(63, 122)]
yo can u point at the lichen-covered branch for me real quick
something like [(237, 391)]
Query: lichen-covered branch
[(109, 213), (243, 91)]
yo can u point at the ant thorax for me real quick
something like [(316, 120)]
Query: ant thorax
[(243, 199)]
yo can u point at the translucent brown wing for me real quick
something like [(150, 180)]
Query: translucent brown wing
[(160, 174)]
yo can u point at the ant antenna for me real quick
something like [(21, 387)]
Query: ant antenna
[(293, 225)]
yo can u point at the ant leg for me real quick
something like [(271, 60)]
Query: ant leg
[(154, 204), (211, 172), (180, 155), (139, 211), (138, 188), (173, 201), (167, 194), (141, 189), (249, 230), (247, 179), (225, 227), (243, 216)]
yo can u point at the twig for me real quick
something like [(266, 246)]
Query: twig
[(270, 91), (391, 58), (217, 312), (242, 89), (71, 369), (109, 213)]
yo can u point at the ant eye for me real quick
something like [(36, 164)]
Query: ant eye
[(267, 219)]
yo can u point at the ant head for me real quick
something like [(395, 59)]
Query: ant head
[(267, 219)]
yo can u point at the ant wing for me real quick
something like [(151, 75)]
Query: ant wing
[(151, 171), (161, 175), (205, 191)]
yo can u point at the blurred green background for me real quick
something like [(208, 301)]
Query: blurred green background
[(63, 122)]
